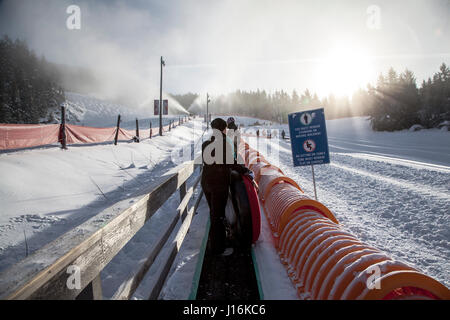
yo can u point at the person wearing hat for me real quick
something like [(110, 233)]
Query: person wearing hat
[(218, 161)]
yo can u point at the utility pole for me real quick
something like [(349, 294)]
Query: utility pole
[(207, 110), (160, 98)]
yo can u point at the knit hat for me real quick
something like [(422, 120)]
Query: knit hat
[(230, 120), (219, 124)]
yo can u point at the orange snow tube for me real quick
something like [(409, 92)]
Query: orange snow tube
[(398, 284), (261, 168)]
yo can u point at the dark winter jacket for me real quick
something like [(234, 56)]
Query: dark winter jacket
[(217, 175)]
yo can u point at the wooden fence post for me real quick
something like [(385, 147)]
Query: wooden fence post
[(93, 291), (117, 130), (150, 128), (137, 130), (63, 128)]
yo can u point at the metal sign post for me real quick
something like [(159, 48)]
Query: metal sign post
[(207, 111), (160, 98), (314, 182)]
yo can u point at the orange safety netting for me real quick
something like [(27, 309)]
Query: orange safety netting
[(17, 136), (79, 134)]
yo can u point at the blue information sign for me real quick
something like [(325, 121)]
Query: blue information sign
[(309, 141)]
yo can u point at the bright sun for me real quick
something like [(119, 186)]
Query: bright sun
[(344, 71)]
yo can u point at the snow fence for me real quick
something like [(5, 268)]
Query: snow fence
[(322, 260)]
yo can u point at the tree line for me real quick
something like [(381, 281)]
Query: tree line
[(394, 103), (29, 86)]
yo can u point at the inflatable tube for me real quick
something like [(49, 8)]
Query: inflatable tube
[(252, 195), (400, 280), (263, 169), (246, 205)]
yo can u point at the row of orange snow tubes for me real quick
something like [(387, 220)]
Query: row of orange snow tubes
[(323, 260)]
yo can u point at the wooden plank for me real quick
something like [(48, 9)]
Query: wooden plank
[(97, 288), (173, 249), (182, 196), (93, 290), (129, 286), (89, 250), (184, 203), (163, 272)]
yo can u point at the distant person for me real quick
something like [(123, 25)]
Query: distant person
[(218, 161), (257, 133), (283, 134)]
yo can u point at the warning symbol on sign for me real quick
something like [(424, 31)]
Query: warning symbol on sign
[(306, 118), (309, 145)]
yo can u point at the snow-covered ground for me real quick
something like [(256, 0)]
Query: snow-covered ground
[(391, 189), (45, 192)]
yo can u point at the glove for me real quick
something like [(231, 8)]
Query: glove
[(250, 174)]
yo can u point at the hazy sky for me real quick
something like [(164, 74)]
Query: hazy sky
[(219, 46)]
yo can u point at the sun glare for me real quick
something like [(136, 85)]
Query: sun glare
[(343, 71)]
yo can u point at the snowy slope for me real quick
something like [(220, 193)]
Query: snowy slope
[(93, 112), (392, 190), (47, 191)]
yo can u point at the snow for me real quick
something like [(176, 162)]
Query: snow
[(46, 192), (389, 189), (275, 284), (416, 127), (187, 265)]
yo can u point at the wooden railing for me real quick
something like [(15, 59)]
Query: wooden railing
[(45, 275)]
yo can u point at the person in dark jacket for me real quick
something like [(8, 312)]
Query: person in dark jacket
[(218, 161)]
